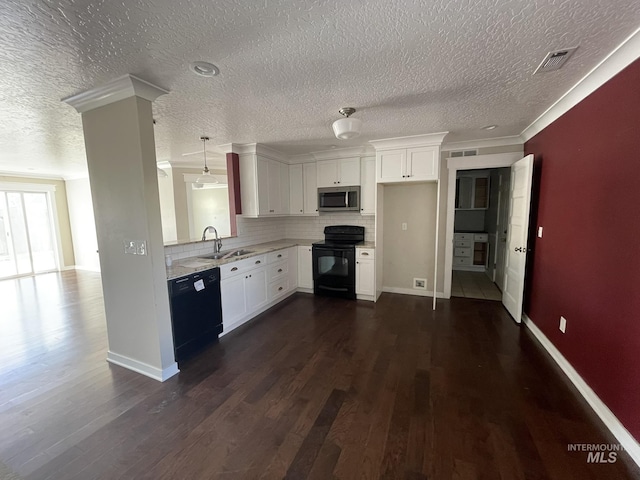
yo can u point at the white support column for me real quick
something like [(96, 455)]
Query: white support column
[(119, 141)]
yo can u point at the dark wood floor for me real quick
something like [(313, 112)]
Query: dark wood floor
[(315, 388)]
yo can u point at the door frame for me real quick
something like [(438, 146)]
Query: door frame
[(50, 191), (477, 162)]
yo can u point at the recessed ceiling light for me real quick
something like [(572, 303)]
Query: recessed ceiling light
[(204, 69), (489, 127)]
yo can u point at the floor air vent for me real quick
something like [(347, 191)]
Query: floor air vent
[(555, 60)]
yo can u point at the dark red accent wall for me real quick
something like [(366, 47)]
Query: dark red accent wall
[(233, 182), (587, 265)]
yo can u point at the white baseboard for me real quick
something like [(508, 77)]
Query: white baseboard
[(86, 269), (609, 419), (412, 291), (304, 290), (143, 368)]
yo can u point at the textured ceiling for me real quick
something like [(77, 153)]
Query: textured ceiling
[(409, 67)]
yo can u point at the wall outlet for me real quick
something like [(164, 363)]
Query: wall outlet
[(420, 283), (404, 226), (539, 232), (563, 324)]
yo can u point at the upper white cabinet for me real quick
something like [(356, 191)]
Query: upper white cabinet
[(368, 188), (264, 186), (296, 190), (310, 188), (339, 172), (416, 164), (303, 190)]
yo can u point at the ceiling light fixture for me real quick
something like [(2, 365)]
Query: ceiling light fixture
[(490, 127), (206, 176), (204, 69), (346, 127)]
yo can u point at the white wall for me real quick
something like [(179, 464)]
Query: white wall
[(83, 225), (209, 206)]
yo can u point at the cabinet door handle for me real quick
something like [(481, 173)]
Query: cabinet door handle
[(300, 211), (279, 255), (280, 289), (234, 269), (365, 254), (258, 261), (279, 270)]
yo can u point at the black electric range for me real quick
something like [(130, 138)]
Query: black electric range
[(334, 261)]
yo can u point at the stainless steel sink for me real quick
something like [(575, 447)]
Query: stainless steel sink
[(233, 253), (238, 253)]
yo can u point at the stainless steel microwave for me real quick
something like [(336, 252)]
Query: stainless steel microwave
[(339, 199)]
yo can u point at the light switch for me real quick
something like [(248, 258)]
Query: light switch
[(404, 226), (141, 247), (539, 232), (130, 247)]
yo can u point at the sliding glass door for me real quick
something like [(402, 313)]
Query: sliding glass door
[(27, 235)]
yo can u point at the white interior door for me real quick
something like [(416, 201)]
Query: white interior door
[(501, 229), (517, 236)]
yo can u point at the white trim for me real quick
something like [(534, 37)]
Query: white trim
[(343, 153), (113, 91), (620, 58), (28, 187), (409, 142), (498, 160), (84, 269), (483, 143), (143, 368), (412, 291), (28, 174), (599, 407)]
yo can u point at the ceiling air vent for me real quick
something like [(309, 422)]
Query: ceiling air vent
[(463, 153), (555, 60)]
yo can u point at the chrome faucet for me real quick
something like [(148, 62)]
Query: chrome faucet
[(217, 246)]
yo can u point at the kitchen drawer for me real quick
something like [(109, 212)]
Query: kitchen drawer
[(462, 252), (278, 270), (481, 237), (365, 253), (278, 288), (463, 236), (241, 266), (277, 256), (462, 261), (463, 243)]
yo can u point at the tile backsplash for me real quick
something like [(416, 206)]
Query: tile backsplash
[(252, 231)]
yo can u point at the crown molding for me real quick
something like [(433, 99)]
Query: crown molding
[(39, 176), (342, 152), (301, 158), (483, 143), (411, 141), (620, 58), (113, 91)]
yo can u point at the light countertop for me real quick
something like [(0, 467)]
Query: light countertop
[(187, 266)]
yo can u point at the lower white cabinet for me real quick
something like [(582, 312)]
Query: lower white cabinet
[(305, 268), (250, 286), (365, 273)]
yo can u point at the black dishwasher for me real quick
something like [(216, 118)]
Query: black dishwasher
[(196, 312)]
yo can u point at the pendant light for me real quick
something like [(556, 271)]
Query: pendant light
[(346, 127), (206, 176)]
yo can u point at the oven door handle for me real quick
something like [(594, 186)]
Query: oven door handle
[(333, 249), (333, 289)]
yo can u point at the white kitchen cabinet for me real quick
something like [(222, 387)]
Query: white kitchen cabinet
[(296, 190), (472, 192), (265, 186), (234, 305), (310, 188), (339, 172), (305, 268), (256, 289), (368, 188), (417, 164), (365, 272), (470, 251)]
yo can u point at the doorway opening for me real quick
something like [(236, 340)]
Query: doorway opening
[(480, 219), (28, 235)]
